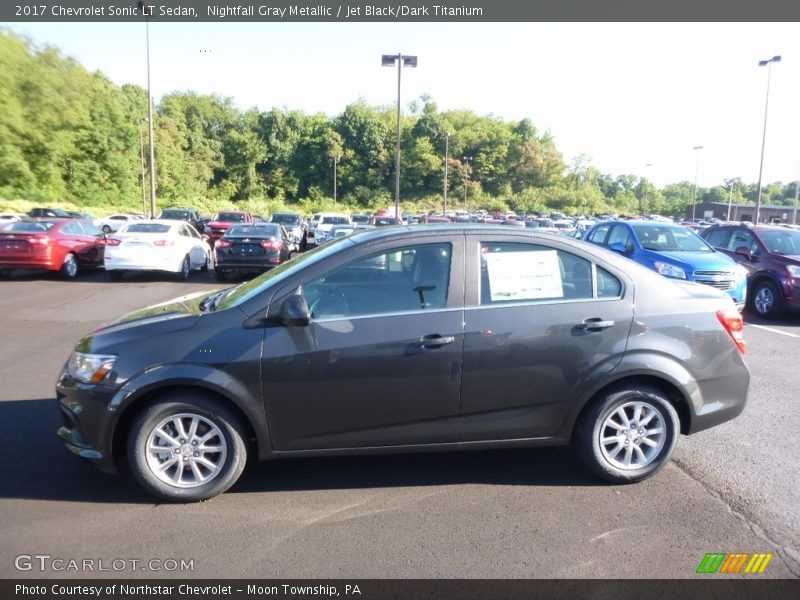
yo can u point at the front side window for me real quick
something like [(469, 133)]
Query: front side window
[(621, 235), (407, 279)]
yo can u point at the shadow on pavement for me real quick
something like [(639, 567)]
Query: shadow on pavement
[(39, 467)]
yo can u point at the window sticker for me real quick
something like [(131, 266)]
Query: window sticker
[(523, 275)]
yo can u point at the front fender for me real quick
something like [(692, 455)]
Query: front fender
[(146, 384)]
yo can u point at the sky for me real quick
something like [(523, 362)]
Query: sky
[(636, 98)]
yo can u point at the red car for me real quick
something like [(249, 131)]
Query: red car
[(222, 221), (62, 245)]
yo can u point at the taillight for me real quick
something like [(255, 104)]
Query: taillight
[(162, 243), (223, 244), (271, 245), (113, 242), (732, 322), (35, 239)]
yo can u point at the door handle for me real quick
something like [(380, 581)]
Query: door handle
[(435, 340), (594, 324)]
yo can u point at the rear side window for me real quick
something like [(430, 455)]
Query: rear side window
[(519, 272), (719, 238)]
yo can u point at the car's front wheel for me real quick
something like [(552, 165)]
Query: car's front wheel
[(186, 448), (765, 300), (628, 434)]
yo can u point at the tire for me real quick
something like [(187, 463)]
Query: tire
[(197, 474), (208, 264), (186, 269), (612, 460), (69, 269), (116, 275), (5, 273), (766, 300), (221, 275), (106, 229)]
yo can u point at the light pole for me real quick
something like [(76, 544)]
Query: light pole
[(696, 167), (730, 200), (796, 197), (147, 11), (141, 157), (335, 164), (388, 60), (643, 200), (466, 160), (768, 64), (446, 153)]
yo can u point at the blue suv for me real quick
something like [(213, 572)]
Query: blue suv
[(674, 251)]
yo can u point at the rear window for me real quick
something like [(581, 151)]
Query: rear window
[(335, 220), (31, 227), (147, 228), (263, 230)]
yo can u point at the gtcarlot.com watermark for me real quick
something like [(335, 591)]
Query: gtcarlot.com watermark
[(45, 563)]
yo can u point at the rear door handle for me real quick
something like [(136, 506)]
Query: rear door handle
[(595, 324), (435, 340)]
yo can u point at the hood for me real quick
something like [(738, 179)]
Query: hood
[(183, 312), (698, 261)]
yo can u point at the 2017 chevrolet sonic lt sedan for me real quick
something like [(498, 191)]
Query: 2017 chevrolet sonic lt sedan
[(409, 338)]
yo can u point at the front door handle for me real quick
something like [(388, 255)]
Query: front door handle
[(594, 324), (435, 340)]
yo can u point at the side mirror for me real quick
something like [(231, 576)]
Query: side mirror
[(743, 251), (294, 312), (618, 247)]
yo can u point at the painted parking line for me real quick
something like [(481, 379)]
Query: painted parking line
[(794, 335)]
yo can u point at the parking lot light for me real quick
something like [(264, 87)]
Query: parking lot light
[(389, 60)]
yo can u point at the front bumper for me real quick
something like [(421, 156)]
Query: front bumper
[(87, 420)]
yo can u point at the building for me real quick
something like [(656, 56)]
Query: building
[(770, 213)]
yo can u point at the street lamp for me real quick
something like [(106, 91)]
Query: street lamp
[(141, 157), (388, 60), (696, 167), (446, 153), (643, 200), (335, 164), (796, 197), (730, 200), (466, 160), (768, 64), (147, 11)]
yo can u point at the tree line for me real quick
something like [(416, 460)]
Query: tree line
[(70, 135)]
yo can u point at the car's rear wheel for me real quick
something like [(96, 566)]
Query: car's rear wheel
[(628, 434), (766, 300), (186, 268), (69, 268), (5, 273), (187, 448), (116, 275)]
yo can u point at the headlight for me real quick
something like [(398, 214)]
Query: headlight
[(89, 368), (669, 270), (794, 271)]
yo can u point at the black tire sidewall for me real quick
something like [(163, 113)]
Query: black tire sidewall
[(172, 404), (588, 442)]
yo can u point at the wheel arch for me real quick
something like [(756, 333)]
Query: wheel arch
[(259, 444), (670, 390)]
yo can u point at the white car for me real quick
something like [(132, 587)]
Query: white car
[(10, 217), (158, 245), (328, 221), (114, 222)]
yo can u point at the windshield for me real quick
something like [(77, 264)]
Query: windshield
[(670, 239), (244, 292), (284, 218), (175, 214), (781, 242), (230, 217), (335, 221)]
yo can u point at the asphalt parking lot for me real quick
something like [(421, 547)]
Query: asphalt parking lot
[(500, 514)]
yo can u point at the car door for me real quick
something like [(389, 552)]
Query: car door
[(543, 322), (379, 364)]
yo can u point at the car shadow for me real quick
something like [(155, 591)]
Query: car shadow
[(100, 276), (39, 467), (534, 467)]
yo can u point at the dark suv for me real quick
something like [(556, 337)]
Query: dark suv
[(771, 254)]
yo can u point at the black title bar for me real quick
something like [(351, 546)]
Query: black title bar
[(400, 10)]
